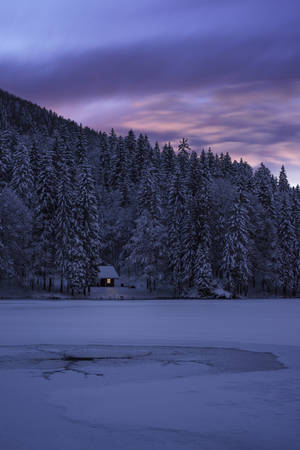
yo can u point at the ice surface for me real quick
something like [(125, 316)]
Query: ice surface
[(86, 375)]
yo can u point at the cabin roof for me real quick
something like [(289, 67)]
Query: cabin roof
[(107, 272)]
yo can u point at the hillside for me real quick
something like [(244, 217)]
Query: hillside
[(71, 197)]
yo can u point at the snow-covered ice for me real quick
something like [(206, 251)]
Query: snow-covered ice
[(86, 375)]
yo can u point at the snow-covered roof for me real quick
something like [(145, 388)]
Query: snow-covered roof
[(107, 272)]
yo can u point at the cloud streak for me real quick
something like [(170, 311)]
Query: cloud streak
[(154, 67), (226, 74)]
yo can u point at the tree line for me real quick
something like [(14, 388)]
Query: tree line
[(71, 198)]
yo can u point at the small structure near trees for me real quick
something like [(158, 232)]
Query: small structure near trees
[(107, 276)]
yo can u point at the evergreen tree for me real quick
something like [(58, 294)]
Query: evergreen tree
[(203, 273), (5, 157), (44, 221), (183, 155), (22, 178), (88, 222), (15, 237), (283, 183), (236, 264), (287, 244), (146, 248), (296, 224), (64, 224), (196, 227), (176, 210)]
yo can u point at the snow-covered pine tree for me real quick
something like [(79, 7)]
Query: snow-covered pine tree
[(167, 161), (15, 237), (211, 161), (141, 156), (111, 158), (35, 159), (5, 157), (76, 267), (176, 210), (283, 183), (166, 171), (287, 243), (44, 220), (203, 272), (22, 177), (64, 223), (146, 248), (88, 221), (155, 156), (196, 227), (104, 167), (130, 148), (265, 235), (236, 262), (296, 224), (183, 155), (225, 165)]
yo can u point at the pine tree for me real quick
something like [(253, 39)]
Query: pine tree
[(15, 237), (167, 161), (76, 267), (286, 247), (64, 223), (131, 149), (44, 221), (88, 222), (35, 160), (22, 178), (183, 155), (104, 170), (236, 263), (265, 235), (176, 210), (283, 181), (203, 273), (146, 249), (5, 157), (196, 226), (296, 224)]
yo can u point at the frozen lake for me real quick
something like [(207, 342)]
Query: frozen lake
[(85, 375)]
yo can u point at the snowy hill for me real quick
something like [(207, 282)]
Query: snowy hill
[(71, 197)]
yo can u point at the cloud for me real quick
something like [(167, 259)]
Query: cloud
[(225, 74), (153, 67)]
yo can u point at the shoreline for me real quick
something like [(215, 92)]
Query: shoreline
[(158, 298)]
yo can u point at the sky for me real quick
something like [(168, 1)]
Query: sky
[(224, 73)]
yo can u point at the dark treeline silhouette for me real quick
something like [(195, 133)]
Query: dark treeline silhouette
[(71, 197)]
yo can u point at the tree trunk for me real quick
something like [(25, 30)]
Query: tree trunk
[(284, 290)]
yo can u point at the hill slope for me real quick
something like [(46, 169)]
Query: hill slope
[(71, 196)]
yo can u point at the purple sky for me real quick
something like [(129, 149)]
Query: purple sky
[(225, 73)]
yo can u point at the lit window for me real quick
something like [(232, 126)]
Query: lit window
[(108, 280)]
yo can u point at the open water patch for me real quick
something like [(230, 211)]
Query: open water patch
[(162, 361)]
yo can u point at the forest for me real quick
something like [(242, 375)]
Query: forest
[(72, 198)]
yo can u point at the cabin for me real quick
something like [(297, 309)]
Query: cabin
[(107, 276)]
